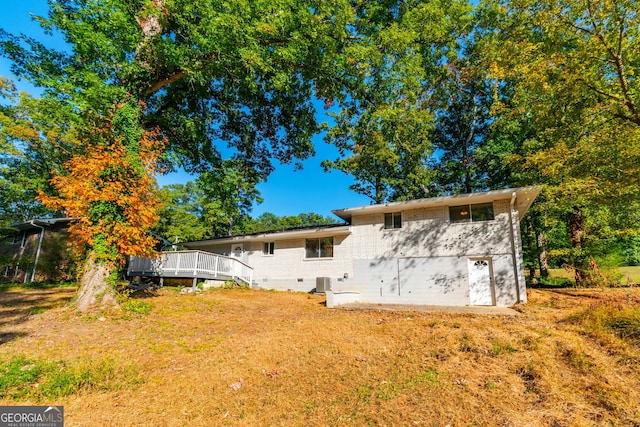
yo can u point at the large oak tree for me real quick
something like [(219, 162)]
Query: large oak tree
[(223, 81)]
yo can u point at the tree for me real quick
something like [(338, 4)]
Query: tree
[(234, 79), (216, 204), (271, 222), (573, 68), (228, 196), (462, 128), (386, 152), (110, 188), (190, 214), (181, 214), (383, 129), (29, 150)]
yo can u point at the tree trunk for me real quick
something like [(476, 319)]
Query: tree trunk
[(530, 254), (532, 274), (543, 256), (576, 238), (379, 193), (95, 289), (467, 146)]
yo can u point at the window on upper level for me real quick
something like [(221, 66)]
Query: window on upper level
[(471, 213), (319, 248), (392, 220), (268, 248)]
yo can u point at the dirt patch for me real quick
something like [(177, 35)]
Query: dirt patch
[(240, 357)]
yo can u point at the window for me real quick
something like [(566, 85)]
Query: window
[(19, 238), (471, 213), (392, 220), (268, 248), (319, 248)]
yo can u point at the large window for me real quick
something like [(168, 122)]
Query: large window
[(319, 248), (471, 213), (392, 220), (268, 248)]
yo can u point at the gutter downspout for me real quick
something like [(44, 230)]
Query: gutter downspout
[(513, 246), (35, 264)]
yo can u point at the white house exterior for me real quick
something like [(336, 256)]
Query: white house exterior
[(453, 250)]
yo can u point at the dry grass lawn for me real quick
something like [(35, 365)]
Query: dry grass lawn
[(256, 358)]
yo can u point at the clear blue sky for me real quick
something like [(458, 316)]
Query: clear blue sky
[(287, 192)]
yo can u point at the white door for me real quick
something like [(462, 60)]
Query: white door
[(480, 283)]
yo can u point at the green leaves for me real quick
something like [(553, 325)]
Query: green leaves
[(245, 73), (231, 85), (384, 128), (573, 74), (570, 68)]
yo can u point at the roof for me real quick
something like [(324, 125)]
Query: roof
[(270, 236), (524, 197), (40, 222)]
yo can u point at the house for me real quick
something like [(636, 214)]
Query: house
[(452, 250), (36, 250)]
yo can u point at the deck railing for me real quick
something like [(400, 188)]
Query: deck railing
[(192, 264)]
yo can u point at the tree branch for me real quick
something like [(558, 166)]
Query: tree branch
[(600, 91), (619, 66), (159, 84)]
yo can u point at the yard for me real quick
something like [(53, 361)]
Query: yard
[(256, 358)]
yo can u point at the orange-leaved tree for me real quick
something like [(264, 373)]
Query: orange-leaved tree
[(110, 187)]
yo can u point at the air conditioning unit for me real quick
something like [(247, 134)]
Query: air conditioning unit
[(323, 284)]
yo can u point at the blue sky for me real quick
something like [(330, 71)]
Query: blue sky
[(287, 192)]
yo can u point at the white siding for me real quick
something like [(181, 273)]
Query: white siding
[(427, 280), (288, 267), (432, 281), (426, 261), (423, 262), (428, 233)]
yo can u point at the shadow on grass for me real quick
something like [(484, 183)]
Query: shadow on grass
[(6, 337), (36, 285), (18, 302), (551, 283), (141, 294)]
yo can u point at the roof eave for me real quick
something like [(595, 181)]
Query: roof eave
[(527, 193), (276, 235), (41, 222), (525, 197)]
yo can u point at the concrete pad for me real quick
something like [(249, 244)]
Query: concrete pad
[(490, 310), (341, 297)]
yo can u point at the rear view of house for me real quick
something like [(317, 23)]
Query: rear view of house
[(453, 250)]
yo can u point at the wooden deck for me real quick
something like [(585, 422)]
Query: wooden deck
[(191, 264)]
